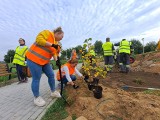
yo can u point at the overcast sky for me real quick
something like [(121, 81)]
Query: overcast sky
[(80, 19)]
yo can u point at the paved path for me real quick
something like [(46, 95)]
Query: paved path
[(16, 101)]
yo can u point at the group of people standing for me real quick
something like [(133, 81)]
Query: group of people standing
[(121, 55)]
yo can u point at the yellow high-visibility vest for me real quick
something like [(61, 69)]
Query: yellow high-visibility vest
[(19, 57), (107, 48), (125, 47)]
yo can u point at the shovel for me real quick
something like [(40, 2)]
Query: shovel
[(59, 67), (127, 87)]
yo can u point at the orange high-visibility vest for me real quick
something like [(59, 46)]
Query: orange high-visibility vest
[(42, 54), (74, 55), (70, 68)]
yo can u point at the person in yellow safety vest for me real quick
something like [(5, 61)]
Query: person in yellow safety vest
[(19, 60), (68, 71), (125, 49), (158, 46), (109, 51), (38, 60)]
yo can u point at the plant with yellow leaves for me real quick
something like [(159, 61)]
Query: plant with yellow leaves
[(91, 64)]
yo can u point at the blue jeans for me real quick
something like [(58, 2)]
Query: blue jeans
[(36, 72), (64, 79)]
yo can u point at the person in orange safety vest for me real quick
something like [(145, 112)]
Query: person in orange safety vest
[(68, 72), (73, 54), (38, 60)]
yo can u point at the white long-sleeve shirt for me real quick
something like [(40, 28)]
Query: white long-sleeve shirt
[(66, 70)]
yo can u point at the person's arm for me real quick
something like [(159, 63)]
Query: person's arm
[(66, 70), (117, 44), (114, 52), (77, 72), (55, 57), (42, 37), (131, 48), (113, 48)]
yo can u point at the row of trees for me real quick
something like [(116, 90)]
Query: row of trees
[(138, 48), (66, 54)]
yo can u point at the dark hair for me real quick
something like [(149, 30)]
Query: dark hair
[(72, 61), (22, 40), (107, 39), (58, 29)]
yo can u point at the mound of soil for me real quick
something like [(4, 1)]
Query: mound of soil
[(115, 104), (118, 103), (149, 62)]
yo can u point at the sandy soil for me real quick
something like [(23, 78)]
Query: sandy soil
[(119, 102)]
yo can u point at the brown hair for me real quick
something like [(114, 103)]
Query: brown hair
[(72, 61), (58, 29)]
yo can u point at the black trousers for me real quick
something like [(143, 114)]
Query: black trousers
[(124, 59), (21, 73)]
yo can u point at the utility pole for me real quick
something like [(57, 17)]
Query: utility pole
[(143, 44)]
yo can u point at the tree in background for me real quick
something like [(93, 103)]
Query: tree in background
[(66, 54), (78, 48), (137, 45), (138, 48), (98, 47), (150, 46), (63, 54), (9, 57)]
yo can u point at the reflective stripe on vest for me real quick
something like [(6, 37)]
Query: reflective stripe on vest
[(70, 68), (107, 48), (124, 47), (19, 57), (42, 54), (39, 55)]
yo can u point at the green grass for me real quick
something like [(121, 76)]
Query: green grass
[(152, 92), (14, 75), (56, 111), (138, 81), (74, 117)]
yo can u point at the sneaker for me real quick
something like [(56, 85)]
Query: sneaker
[(55, 94), (19, 82), (39, 101)]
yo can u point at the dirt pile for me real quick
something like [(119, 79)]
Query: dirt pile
[(116, 103), (149, 62)]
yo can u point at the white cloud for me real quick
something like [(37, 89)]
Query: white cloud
[(79, 19)]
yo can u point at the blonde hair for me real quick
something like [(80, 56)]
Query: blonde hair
[(58, 29), (73, 61)]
